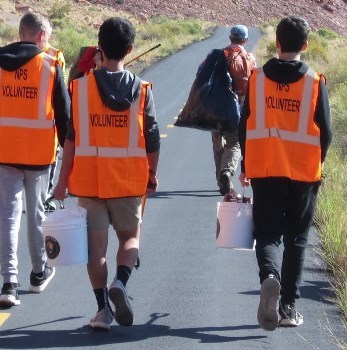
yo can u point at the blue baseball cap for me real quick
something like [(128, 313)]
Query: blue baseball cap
[(239, 32)]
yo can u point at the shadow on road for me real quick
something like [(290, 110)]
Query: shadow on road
[(19, 338), (204, 193), (320, 291)]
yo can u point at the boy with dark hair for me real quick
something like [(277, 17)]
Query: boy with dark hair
[(294, 39), (284, 135), (110, 161), (116, 30)]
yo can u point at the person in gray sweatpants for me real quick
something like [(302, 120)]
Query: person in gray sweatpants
[(35, 108)]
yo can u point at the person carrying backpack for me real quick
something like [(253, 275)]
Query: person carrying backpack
[(226, 147)]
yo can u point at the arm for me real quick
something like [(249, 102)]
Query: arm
[(242, 129), (59, 191), (152, 138), (61, 105), (153, 183), (242, 140), (322, 119)]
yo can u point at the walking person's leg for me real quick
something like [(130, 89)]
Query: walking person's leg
[(218, 148), (50, 206), (52, 170), (268, 215), (98, 223), (126, 220), (122, 213), (230, 160), (35, 183), (299, 216), (11, 190), (126, 258)]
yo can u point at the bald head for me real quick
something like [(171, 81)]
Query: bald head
[(35, 28)]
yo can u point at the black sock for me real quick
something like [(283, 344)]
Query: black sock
[(123, 274), (101, 296)]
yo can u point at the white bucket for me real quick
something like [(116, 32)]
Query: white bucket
[(235, 226), (65, 234)]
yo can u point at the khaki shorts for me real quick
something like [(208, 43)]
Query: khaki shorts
[(122, 213)]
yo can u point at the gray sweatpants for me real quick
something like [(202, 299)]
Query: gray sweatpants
[(12, 182)]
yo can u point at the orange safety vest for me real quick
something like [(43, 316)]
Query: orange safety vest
[(282, 138), (57, 54), (27, 130), (110, 154)]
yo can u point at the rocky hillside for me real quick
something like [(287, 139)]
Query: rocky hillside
[(320, 13)]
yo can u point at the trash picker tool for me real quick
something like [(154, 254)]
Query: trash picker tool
[(144, 53)]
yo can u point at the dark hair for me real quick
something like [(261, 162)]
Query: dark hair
[(292, 33), (116, 36), (237, 40)]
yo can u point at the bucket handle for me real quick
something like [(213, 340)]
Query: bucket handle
[(233, 196), (244, 198), (51, 198)]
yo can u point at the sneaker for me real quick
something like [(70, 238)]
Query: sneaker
[(225, 183), (289, 316), (39, 281), (102, 320), (268, 305), (50, 207), (117, 294), (9, 294)]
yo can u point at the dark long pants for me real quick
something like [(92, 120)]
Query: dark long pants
[(283, 208)]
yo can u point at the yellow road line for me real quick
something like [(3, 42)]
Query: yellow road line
[(170, 126), (162, 136), (3, 318)]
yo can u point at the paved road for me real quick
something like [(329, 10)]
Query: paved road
[(187, 294)]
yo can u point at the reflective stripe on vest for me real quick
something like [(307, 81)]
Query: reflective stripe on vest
[(85, 149), (298, 136), (57, 55)]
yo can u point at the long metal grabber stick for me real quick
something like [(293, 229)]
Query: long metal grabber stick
[(144, 53)]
